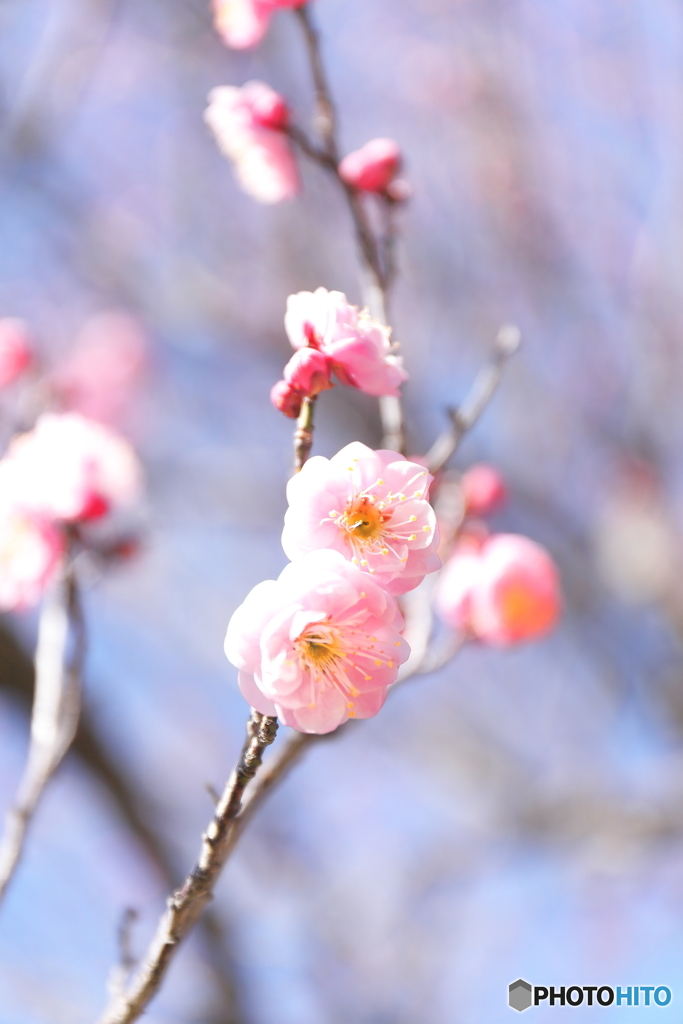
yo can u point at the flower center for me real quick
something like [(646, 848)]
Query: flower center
[(363, 519), (319, 648)]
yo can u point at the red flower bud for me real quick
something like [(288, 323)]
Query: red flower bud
[(373, 167), (286, 398)]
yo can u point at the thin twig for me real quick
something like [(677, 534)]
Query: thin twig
[(376, 255), (54, 718), (466, 415), (303, 435), (185, 904)]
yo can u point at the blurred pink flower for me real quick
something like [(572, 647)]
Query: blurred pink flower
[(308, 371), (483, 490), (30, 549), (373, 167), (243, 23), (317, 646), (16, 349), (98, 375), (502, 590), (248, 125), (73, 469), (358, 348), (371, 507), (286, 398)]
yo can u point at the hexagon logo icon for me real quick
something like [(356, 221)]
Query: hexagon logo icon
[(519, 995)]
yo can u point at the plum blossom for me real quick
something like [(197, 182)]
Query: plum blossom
[(243, 23), (30, 549), (72, 469), (248, 124), (372, 167), (319, 645), (483, 489), (372, 508), (358, 348), (98, 375), (501, 590), (16, 349)]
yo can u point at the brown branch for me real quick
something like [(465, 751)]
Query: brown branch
[(466, 415), (185, 904), (54, 718)]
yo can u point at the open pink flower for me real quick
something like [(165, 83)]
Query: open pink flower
[(317, 646), (30, 549), (73, 469), (372, 167), (99, 374), (243, 23), (358, 348), (248, 124), (371, 507), (502, 590), (16, 349)]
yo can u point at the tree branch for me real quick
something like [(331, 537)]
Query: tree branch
[(17, 676), (466, 415), (185, 904), (376, 254), (56, 707)]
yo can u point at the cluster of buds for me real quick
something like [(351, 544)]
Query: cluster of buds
[(330, 336), (499, 588)]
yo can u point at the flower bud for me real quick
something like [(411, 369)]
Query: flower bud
[(308, 371), (286, 398), (483, 489), (268, 108), (16, 350), (373, 167)]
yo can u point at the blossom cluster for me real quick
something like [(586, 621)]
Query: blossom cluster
[(70, 469), (323, 643), (330, 336), (66, 471)]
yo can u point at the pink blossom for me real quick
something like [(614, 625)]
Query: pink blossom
[(73, 469), (286, 398), (358, 348), (502, 590), (483, 489), (317, 646), (308, 371), (98, 375), (243, 23), (30, 549), (372, 508), (16, 349), (248, 125), (373, 167)]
